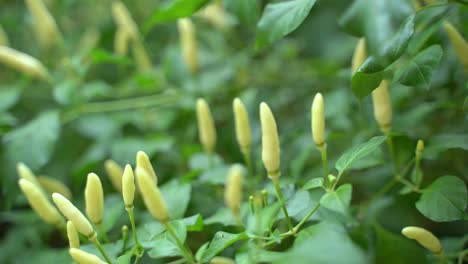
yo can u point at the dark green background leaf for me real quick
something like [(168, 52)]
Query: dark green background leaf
[(280, 19)]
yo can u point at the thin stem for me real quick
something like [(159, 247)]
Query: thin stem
[(323, 153), (119, 105), (124, 238), (102, 232), (408, 184), (298, 226), (248, 162), (187, 253), (139, 248), (101, 249), (392, 154), (387, 187), (279, 194)]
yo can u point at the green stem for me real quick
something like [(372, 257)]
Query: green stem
[(187, 253), (139, 248), (279, 194), (102, 233), (124, 238), (101, 249), (298, 226), (408, 184), (387, 187), (248, 162), (323, 154), (120, 105), (392, 154)]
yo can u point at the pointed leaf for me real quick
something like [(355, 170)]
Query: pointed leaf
[(444, 200), (357, 152), (280, 19)]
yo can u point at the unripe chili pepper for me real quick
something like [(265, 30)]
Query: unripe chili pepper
[(419, 148), (243, 133), (94, 198), (25, 172), (73, 214), (383, 106), (214, 14), (83, 257), (73, 239), (188, 43), (40, 203), (44, 23), (143, 162), (270, 142), (206, 127), (233, 189), (424, 238), (114, 173), (23, 63), (458, 42), (222, 260), (152, 196), (51, 185), (318, 120), (121, 42), (124, 20), (128, 186), (359, 55)]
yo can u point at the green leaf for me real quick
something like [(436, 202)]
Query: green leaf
[(9, 96), (173, 10), (418, 70), (391, 248), (338, 200), (125, 258), (264, 222), (34, 142), (313, 183), (114, 210), (125, 149), (164, 248), (359, 151), (221, 241), (363, 83), (364, 18), (314, 243), (443, 142), (194, 223), (428, 21), (444, 200), (177, 197), (280, 19), (376, 20), (247, 11), (371, 72), (202, 161), (149, 232), (298, 203)]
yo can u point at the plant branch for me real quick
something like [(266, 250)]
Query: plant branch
[(279, 194), (187, 253), (158, 100), (96, 242)]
